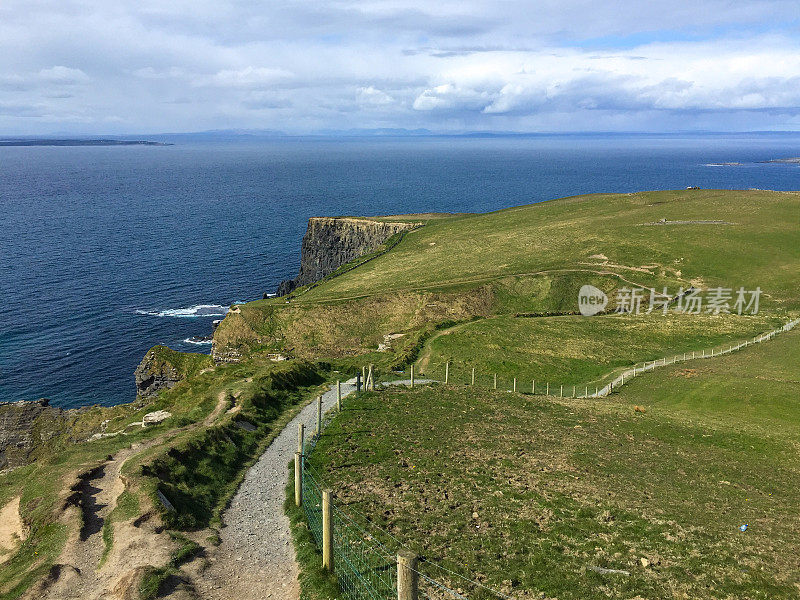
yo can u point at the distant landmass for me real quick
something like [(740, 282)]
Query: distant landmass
[(78, 142), (790, 161)]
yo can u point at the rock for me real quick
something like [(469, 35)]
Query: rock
[(246, 425), (645, 562), (18, 424), (162, 368), (164, 501), (331, 242), (154, 418), (154, 374)]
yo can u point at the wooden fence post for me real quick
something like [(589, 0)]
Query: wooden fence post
[(298, 479), (473, 375), (561, 393), (547, 389), (319, 415), (339, 395), (495, 381), (515, 384), (447, 372), (407, 576), (533, 387), (412, 376), (301, 434), (327, 531)]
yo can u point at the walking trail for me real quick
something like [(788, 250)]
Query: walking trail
[(256, 557), (80, 571)]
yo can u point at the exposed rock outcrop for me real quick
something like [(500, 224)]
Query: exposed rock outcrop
[(162, 368), (331, 242), (19, 435)]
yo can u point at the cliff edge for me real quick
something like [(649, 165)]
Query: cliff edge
[(162, 368), (331, 242)]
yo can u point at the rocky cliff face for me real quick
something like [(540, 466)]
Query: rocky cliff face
[(153, 375), (19, 433), (330, 242), (162, 368)]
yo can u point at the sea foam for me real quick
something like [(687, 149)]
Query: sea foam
[(198, 310)]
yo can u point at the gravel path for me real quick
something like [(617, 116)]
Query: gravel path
[(256, 557)]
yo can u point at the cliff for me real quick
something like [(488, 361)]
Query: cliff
[(19, 431), (331, 242), (162, 368)]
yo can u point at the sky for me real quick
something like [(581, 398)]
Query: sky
[(301, 66)]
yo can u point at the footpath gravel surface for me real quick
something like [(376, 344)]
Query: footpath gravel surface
[(256, 556)]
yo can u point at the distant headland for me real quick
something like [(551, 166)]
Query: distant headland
[(77, 142)]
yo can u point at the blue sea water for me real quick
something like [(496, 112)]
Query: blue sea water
[(106, 251)]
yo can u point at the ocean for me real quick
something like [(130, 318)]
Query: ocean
[(107, 251)]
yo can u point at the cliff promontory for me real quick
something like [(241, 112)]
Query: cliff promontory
[(331, 242), (162, 368)]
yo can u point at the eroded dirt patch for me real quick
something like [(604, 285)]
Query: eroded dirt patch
[(12, 529)]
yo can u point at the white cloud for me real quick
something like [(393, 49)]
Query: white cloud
[(63, 75), (469, 64), (248, 77), (373, 96)]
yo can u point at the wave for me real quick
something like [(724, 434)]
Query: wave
[(197, 341), (198, 310)]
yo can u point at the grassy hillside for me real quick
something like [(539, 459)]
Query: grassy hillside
[(574, 350), (534, 259), (527, 494), (197, 461), (572, 233)]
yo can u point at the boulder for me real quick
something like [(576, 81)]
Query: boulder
[(154, 418)]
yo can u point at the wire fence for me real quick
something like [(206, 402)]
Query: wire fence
[(365, 558), (461, 374)]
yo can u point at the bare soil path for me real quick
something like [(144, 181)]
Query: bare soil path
[(79, 573), (12, 531)]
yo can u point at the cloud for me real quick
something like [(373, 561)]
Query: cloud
[(248, 77), (373, 96), (62, 75), (453, 64), (56, 76)]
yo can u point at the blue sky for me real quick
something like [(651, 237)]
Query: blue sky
[(92, 67)]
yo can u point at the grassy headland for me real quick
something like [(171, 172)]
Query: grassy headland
[(556, 485), (527, 494)]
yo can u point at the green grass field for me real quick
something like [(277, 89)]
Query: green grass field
[(535, 258), (526, 493), (577, 232), (574, 350)]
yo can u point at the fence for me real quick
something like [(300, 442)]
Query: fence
[(606, 387), (370, 563)]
